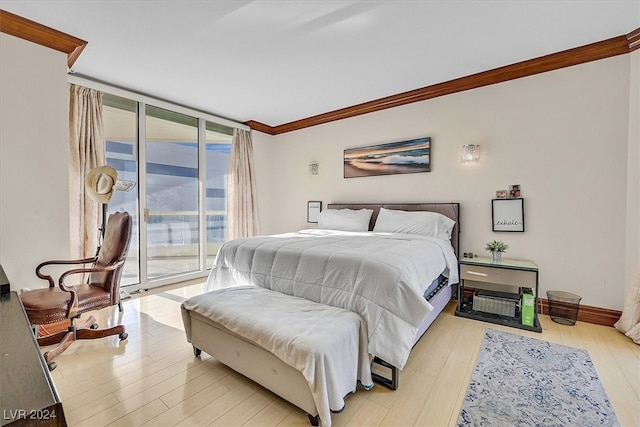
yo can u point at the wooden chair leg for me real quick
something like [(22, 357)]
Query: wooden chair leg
[(52, 339), (54, 333), (88, 323), (87, 334), (86, 330), (64, 344)]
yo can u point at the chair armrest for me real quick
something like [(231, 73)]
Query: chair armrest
[(72, 310), (59, 262), (105, 269)]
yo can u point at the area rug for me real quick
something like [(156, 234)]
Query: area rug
[(522, 381)]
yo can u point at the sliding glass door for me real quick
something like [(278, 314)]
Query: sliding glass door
[(218, 149), (172, 178), (121, 134), (171, 214)]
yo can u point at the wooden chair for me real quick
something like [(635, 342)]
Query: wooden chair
[(63, 302)]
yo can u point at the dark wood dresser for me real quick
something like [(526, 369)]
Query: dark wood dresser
[(28, 396)]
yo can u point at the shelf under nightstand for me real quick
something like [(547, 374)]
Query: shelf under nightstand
[(514, 274)]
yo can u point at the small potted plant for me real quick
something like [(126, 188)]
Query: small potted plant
[(496, 248)]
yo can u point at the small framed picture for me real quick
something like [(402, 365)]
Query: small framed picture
[(501, 194), (313, 210), (507, 214), (514, 191)]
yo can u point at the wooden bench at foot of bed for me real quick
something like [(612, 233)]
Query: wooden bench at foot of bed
[(310, 354)]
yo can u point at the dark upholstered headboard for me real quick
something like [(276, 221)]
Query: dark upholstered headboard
[(451, 210)]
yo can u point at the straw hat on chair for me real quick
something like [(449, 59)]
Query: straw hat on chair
[(100, 183)]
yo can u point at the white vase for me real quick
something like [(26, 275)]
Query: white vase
[(497, 257)]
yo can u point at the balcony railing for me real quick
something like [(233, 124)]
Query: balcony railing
[(173, 243)]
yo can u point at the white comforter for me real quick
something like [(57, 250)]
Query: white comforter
[(380, 276)]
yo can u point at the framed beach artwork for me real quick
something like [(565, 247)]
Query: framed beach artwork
[(412, 156)]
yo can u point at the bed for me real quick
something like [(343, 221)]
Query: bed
[(299, 268), (439, 293)]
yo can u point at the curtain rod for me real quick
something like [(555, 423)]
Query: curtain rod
[(81, 80)]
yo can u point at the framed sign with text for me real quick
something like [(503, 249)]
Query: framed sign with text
[(313, 211), (507, 214)]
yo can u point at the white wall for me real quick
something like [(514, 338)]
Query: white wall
[(563, 136), (34, 159), (633, 167), (570, 138)]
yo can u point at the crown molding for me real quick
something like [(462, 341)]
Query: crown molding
[(37, 33), (592, 52), (26, 29), (254, 125)]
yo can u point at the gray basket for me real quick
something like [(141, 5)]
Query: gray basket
[(563, 307), (502, 303)]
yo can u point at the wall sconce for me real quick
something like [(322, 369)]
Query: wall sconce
[(470, 153), (313, 169)]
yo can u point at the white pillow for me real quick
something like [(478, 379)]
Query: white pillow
[(345, 219), (430, 224)]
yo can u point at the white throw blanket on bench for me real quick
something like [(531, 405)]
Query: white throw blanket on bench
[(327, 344)]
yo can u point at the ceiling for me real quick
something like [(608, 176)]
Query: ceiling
[(276, 62)]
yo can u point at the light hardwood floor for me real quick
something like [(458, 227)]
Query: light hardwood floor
[(153, 379)]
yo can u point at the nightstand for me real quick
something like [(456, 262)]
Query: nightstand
[(510, 276)]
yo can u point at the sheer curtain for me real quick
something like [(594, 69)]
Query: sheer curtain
[(629, 323), (87, 151), (242, 205)]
